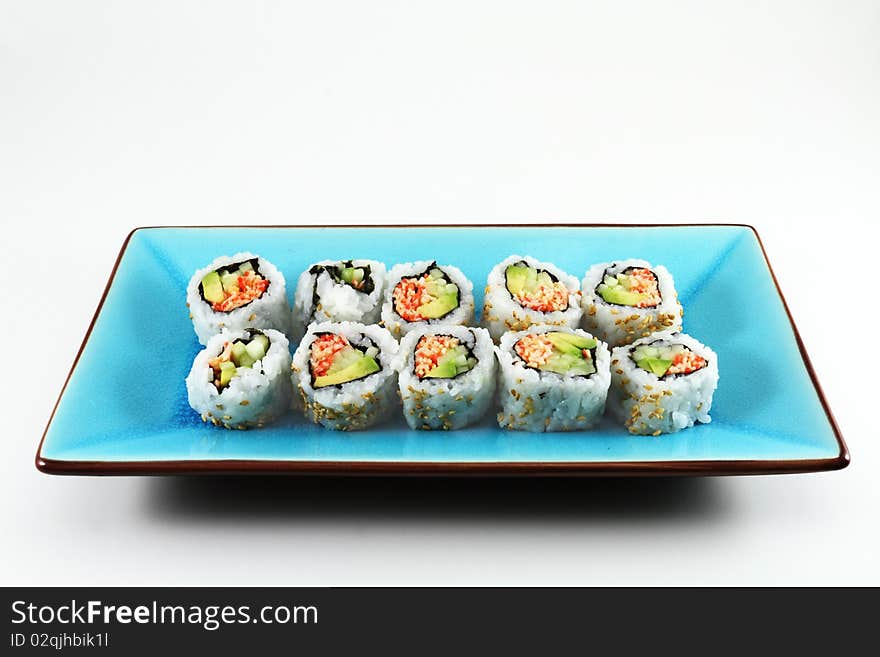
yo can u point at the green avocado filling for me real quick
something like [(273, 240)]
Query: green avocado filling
[(216, 285), (444, 296), (454, 362), (534, 288), (569, 353), (436, 294), (523, 280), (349, 364), (657, 359), (456, 358), (238, 355), (634, 287)]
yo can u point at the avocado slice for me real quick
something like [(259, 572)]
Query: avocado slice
[(364, 366), (570, 343), (643, 352), (451, 364), (445, 369), (583, 367), (346, 357), (657, 366), (563, 347), (619, 296), (212, 288), (227, 371), (521, 279), (563, 363), (442, 305), (517, 278), (436, 287)]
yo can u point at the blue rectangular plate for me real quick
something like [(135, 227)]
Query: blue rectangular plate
[(768, 416)]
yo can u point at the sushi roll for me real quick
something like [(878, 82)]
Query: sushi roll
[(522, 291), (240, 379), (425, 293), (552, 379), (237, 292), (630, 299), (338, 291), (344, 373), (446, 376), (663, 383)]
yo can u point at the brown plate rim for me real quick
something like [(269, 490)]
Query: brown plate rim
[(467, 468)]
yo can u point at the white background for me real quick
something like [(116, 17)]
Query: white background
[(114, 116)]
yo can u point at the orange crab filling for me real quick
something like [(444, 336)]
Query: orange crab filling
[(429, 350), (409, 295), (249, 286), (324, 350), (644, 282), (535, 349), (545, 298), (686, 362)]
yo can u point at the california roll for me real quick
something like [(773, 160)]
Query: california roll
[(552, 379), (240, 379), (663, 383), (237, 292), (344, 374), (446, 376), (339, 291), (522, 291), (629, 299), (424, 293)]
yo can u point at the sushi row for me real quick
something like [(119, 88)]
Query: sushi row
[(618, 302), (349, 315)]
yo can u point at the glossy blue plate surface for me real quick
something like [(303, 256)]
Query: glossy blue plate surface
[(768, 414)]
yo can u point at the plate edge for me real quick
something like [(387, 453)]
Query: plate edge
[(469, 468), (38, 460), (843, 455), (842, 460)]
